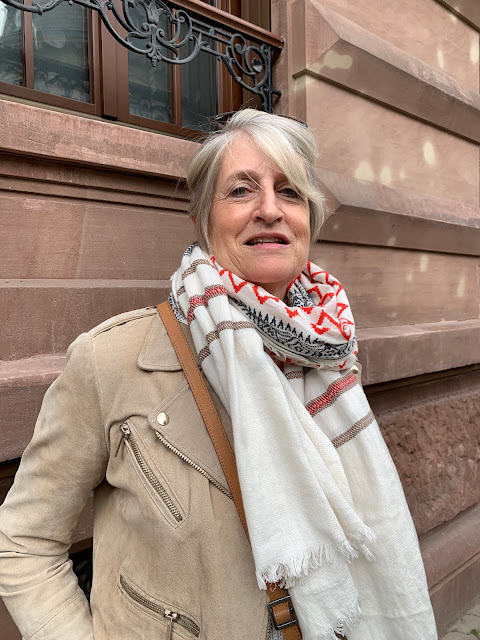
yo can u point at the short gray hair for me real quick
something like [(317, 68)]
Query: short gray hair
[(281, 139)]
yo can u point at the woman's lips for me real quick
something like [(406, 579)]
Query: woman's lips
[(276, 240)]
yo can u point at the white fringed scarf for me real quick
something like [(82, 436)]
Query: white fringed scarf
[(326, 513)]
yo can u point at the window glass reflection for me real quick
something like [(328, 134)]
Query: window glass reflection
[(200, 88), (60, 40), (149, 86), (199, 91), (11, 55)]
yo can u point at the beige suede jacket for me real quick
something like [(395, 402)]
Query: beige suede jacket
[(170, 555)]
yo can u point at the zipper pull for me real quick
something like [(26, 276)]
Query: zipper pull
[(126, 433), (171, 618)]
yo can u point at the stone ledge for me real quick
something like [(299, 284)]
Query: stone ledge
[(455, 593), (34, 131), (392, 353), (54, 312), (31, 371), (22, 386), (357, 60), (466, 10), (363, 212)]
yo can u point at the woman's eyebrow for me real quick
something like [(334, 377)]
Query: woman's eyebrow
[(254, 176), (243, 174)]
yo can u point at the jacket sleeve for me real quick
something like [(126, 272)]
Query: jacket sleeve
[(63, 463)]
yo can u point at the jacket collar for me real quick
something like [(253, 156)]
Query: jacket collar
[(192, 439), (157, 352)]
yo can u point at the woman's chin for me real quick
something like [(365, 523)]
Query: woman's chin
[(274, 283)]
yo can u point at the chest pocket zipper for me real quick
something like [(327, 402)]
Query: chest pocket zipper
[(151, 478), (193, 464), (172, 616)]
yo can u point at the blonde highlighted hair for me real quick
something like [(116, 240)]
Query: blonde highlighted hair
[(286, 142)]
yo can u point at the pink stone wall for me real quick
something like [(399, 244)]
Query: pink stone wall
[(364, 140), (426, 30), (435, 443)]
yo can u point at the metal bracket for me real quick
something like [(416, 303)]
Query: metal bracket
[(247, 58)]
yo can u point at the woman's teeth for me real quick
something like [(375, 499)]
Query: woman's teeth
[(265, 240)]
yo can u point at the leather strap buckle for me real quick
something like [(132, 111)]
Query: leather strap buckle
[(288, 623)]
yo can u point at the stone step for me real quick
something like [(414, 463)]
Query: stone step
[(22, 386), (392, 353), (45, 315)]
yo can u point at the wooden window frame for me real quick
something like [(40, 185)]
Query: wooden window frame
[(108, 67), (28, 92)]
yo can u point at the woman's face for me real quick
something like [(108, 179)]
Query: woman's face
[(259, 224)]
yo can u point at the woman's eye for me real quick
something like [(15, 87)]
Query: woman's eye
[(290, 192), (239, 191)]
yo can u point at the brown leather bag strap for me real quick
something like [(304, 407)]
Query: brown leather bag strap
[(205, 404), (280, 604)]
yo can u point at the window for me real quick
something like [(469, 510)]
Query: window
[(10, 45), (67, 58), (48, 58)]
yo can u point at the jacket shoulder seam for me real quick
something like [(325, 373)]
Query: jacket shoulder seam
[(120, 319), (99, 393)]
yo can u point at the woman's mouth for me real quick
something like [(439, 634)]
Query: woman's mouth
[(260, 240)]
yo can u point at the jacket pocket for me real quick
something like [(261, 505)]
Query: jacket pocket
[(175, 620), (150, 479)]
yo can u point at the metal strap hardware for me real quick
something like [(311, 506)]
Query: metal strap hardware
[(288, 623)]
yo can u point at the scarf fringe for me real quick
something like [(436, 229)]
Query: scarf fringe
[(360, 539), (367, 554), (296, 569), (342, 627)]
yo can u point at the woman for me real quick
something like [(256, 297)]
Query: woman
[(275, 339)]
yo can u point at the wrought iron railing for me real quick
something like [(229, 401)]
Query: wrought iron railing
[(193, 27)]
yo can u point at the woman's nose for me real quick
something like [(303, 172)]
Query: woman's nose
[(268, 206)]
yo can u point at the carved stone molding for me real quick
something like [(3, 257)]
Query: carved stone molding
[(364, 212), (466, 10), (34, 131), (354, 59)]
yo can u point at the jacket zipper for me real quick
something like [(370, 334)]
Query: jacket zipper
[(129, 438), (193, 464), (171, 616), (269, 627)]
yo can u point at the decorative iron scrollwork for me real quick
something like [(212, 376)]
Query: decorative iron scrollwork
[(171, 34)]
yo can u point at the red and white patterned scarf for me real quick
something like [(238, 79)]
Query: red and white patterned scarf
[(306, 429)]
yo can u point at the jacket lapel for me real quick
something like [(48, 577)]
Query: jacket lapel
[(185, 431)]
